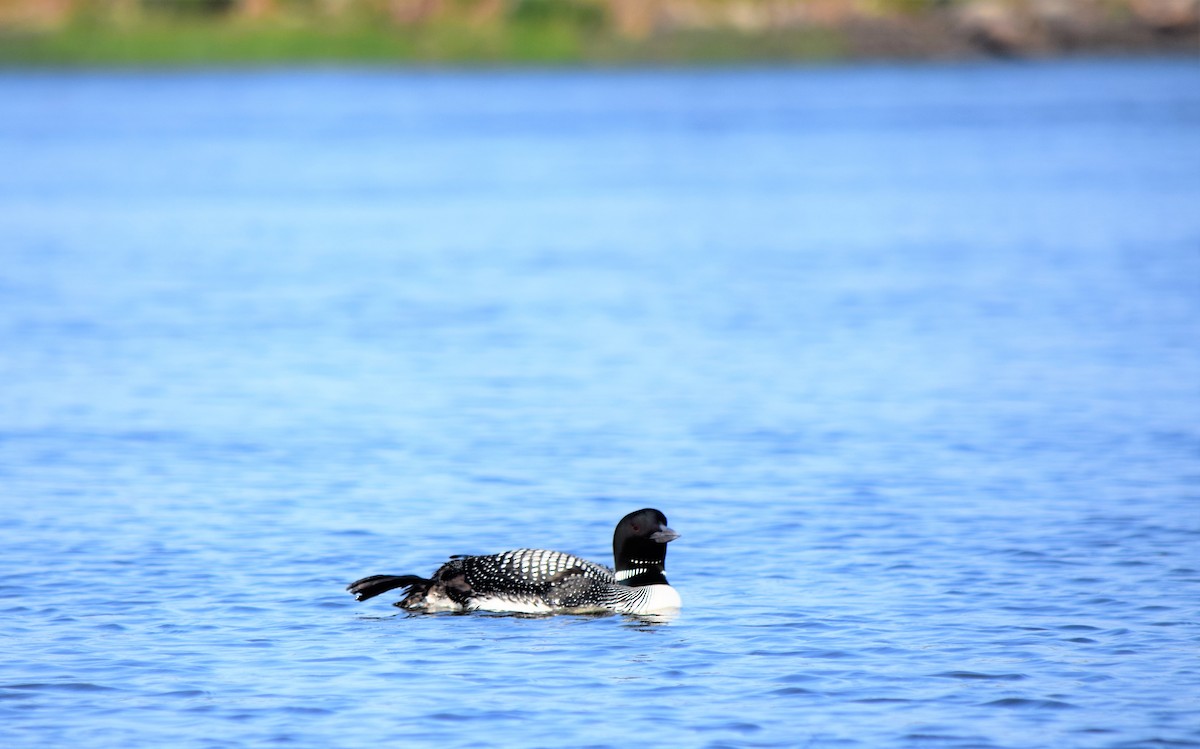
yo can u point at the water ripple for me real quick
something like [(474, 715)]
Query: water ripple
[(919, 393)]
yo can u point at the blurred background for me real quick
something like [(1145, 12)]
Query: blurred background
[(599, 31)]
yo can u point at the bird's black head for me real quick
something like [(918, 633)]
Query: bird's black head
[(640, 548)]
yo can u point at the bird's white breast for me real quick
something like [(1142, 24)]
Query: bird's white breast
[(659, 598)]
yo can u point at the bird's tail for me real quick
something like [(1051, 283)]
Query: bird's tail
[(369, 587)]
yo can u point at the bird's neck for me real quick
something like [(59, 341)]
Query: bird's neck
[(636, 572)]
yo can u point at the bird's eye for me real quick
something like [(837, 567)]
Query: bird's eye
[(637, 528)]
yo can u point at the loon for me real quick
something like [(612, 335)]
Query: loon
[(537, 581)]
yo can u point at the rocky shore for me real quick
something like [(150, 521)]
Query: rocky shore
[(932, 28)]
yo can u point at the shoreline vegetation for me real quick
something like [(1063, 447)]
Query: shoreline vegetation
[(582, 32)]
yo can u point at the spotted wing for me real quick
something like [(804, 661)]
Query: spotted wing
[(528, 571)]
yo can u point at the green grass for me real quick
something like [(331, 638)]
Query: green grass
[(181, 43), (553, 41)]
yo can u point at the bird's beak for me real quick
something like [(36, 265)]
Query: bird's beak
[(663, 535)]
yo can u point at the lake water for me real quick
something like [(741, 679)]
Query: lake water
[(910, 356)]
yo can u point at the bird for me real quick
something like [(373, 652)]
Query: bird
[(539, 581)]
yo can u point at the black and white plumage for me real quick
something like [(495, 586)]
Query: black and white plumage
[(538, 581)]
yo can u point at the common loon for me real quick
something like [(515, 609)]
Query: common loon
[(537, 581)]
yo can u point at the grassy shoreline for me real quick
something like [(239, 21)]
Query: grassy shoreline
[(174, 42), (195, 43)]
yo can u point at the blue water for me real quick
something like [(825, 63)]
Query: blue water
[(908, 355)]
